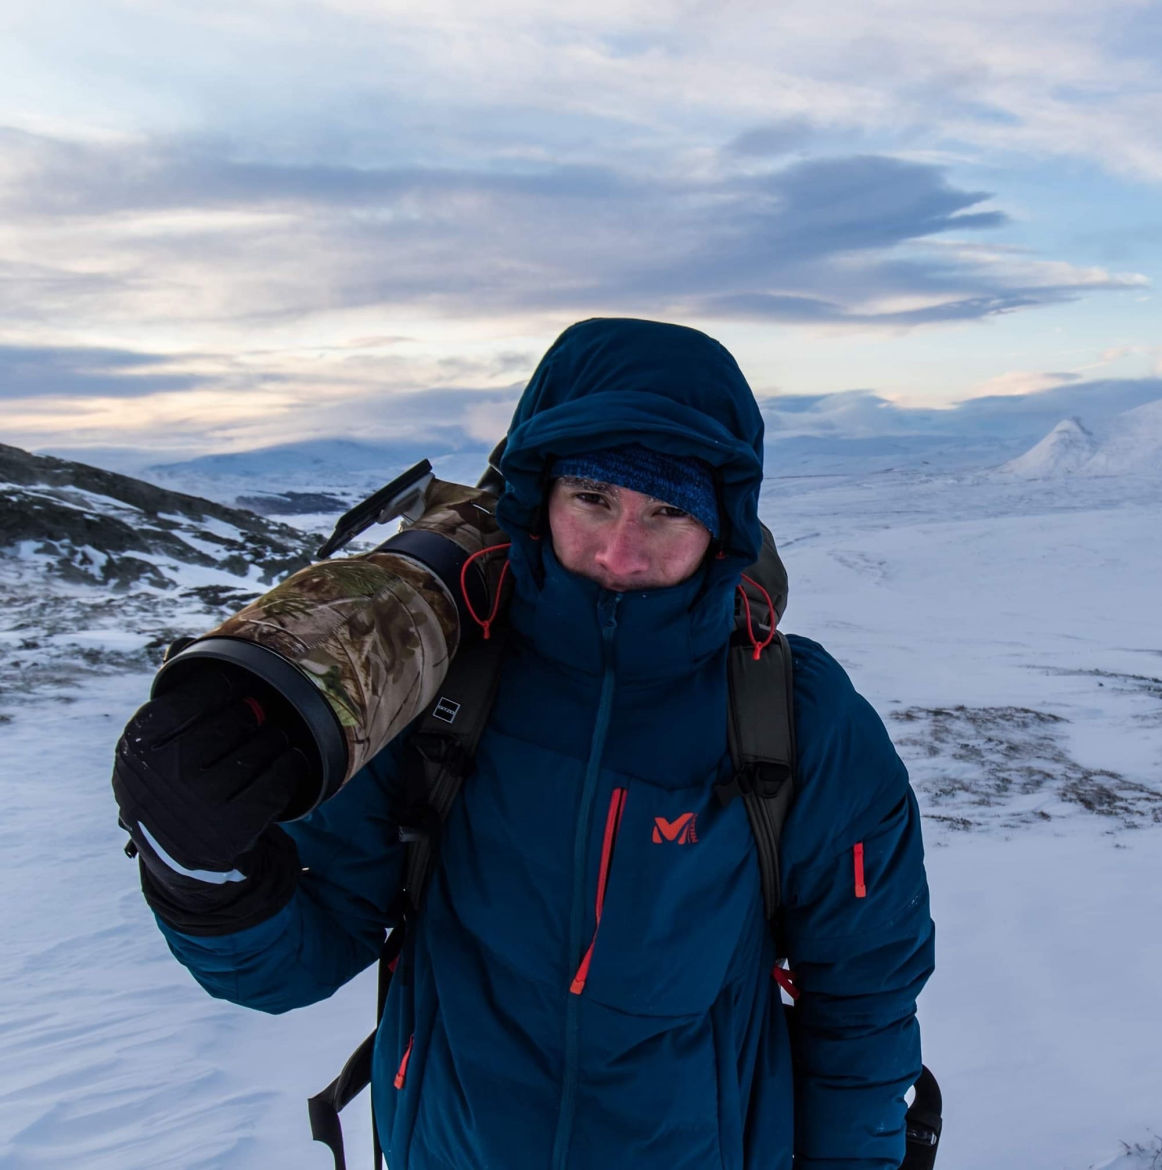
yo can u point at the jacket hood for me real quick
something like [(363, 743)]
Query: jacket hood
[(610, 381)]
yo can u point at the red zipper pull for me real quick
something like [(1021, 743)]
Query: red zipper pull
[(402, 1075), (857, 859)]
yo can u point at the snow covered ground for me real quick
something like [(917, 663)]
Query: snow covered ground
[(1009, 635), (1008, 632)]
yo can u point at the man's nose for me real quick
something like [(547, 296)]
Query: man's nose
[(623, 552)]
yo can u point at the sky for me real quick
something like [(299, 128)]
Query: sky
[(229, 225)]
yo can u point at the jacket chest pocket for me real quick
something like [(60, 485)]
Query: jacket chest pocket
[(676, 899)]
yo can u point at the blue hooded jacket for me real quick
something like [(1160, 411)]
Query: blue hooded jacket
[(589, 985)]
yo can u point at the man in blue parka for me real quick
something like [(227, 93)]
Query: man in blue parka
[(589, 984)]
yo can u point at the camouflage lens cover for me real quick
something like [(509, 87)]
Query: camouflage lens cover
[(375, 633)]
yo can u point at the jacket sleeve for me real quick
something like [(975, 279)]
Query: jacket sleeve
[(857, 930), (334, 924)]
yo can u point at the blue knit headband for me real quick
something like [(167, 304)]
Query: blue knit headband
[(681, 481)]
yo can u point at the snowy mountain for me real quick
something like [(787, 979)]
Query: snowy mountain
[(100, 570), (1065, 450), (315, 478), (315, 457), (1134, 443), (1131, 445)]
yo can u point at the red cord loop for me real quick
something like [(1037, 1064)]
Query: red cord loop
[(759, 647), (484, 623), (256, 709), (786, 980)]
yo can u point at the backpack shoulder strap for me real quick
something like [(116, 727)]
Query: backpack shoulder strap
[(761, 719), (440, 752), (761, 733), (438, 757)]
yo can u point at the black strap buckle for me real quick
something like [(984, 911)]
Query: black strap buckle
[(419, 823), (764, 778), (922, 1135), (438, 749)]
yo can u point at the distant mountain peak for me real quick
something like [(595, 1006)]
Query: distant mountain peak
[(309, 457), (1065, 450)]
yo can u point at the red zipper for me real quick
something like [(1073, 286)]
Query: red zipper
[(612, 824), (857, 859), (401, 1075)]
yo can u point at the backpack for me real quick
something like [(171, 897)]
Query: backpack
[(441, 748)]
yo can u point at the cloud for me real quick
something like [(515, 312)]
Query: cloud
[(59, 371), (487, 421), (203, 174), (455, 415), (1019, 383), (296, 221), (771, 139), (848, 414), (378, 79), (1015, 416), (866, 201), (841, 240), (758, 306), (1095, 401)]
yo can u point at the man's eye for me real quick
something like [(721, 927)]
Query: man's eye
[(671, 511), (589, 497)]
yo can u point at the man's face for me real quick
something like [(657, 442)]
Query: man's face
[(623, 539)]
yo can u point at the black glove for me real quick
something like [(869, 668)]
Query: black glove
[(200, 774)]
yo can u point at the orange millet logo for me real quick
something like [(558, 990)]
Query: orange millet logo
[(683, 829)]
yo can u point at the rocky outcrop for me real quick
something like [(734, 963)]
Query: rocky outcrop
[(84, 524)]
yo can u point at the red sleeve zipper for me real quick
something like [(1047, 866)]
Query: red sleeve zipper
[(612, 824), (857, 859)]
